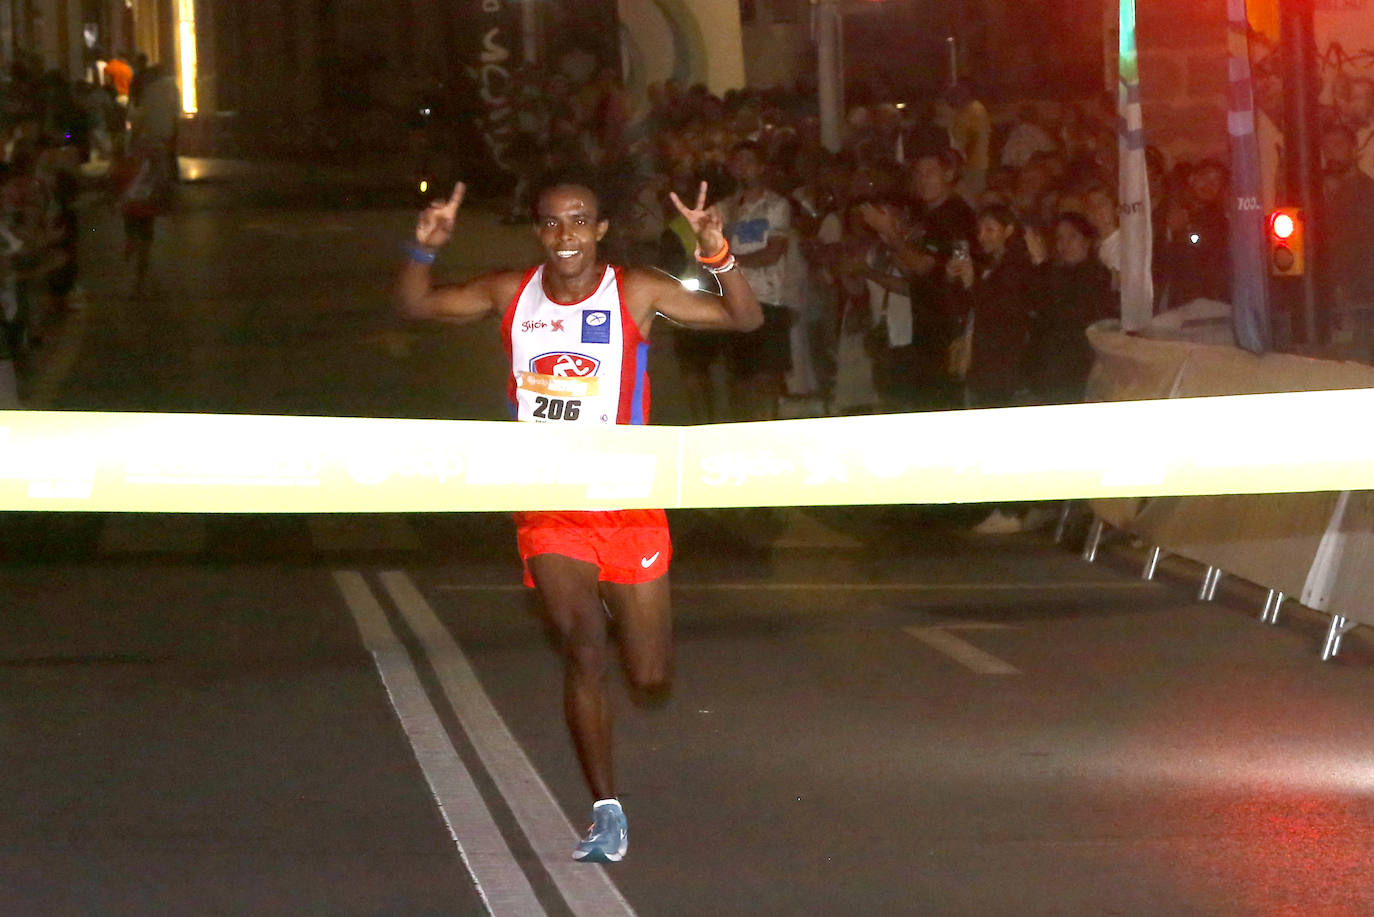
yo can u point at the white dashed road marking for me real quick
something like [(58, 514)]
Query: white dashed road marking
[(960, 650)]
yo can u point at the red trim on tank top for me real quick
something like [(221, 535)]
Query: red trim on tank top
[(632, 367), (626, 318), (508, 332)]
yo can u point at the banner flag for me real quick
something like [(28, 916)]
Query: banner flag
[(488, 50), (1249, 270), (1133, 191)]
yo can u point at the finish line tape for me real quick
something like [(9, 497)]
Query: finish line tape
[(202, 463)]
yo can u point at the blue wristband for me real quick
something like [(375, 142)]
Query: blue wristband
[(420, 255)]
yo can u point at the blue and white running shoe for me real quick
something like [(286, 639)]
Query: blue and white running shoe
[(608, 837)]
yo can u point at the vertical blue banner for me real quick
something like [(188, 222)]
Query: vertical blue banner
[(1249, 268)]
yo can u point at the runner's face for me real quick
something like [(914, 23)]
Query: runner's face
[(568, 227)]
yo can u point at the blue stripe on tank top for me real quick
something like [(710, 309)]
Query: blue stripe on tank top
[(641, 376)]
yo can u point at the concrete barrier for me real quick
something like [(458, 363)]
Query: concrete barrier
[(1318, 547)]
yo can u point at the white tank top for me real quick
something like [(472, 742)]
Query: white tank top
[(581, 362)]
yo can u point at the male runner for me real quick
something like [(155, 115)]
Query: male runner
[(577, 332)]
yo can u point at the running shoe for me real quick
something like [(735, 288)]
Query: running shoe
[(608, 837)]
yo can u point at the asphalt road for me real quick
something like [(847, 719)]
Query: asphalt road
[(875, 712)]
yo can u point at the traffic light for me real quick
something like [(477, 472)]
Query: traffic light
[(1286, 234)]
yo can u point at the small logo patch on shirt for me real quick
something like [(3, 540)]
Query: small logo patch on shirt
[(596, 326)]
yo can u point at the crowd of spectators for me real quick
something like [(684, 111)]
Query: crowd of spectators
[(45, 131), (1347, 146), (938, 260), (51, 129), (941, 258), (870, 230)]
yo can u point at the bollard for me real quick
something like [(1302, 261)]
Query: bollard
[(1210, 580), (1063, 524), (1152, 563), (1094, 539), (1272, 602), (1340, 626)]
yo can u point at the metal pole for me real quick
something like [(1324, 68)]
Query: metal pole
[(1303, 144), (829, 64)]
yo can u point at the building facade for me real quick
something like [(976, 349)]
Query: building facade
[(293, 75), (71, 36), (290, 76)]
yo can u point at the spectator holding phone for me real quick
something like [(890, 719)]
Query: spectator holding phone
[(921, 251), (996, 296)]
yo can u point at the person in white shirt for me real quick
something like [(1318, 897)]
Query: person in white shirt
[(758, 223), (1026, 139)]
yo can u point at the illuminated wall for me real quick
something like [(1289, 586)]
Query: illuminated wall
[(691, 41), (779, 43)]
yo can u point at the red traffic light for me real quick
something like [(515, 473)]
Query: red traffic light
[(1286, 255), (1282, 224)]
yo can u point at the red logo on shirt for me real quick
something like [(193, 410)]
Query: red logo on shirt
[(558, 324), (565, 364)]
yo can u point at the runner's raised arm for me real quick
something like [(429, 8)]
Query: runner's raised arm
[(418, 297), (737, 309)]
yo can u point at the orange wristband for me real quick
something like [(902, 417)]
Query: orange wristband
[(719, 257)]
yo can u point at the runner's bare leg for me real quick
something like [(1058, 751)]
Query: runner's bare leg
[(572, 605), (644, 618)]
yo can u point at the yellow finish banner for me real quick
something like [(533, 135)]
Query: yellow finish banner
[(199, 463)]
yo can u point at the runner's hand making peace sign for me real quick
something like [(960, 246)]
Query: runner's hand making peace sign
[(705, 221), (435, 226)]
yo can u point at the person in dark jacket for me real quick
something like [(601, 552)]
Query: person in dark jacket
[(1078, 292), (1196, 261), (994, 297)]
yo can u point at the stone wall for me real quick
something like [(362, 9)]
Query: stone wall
[(1183, 79)]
